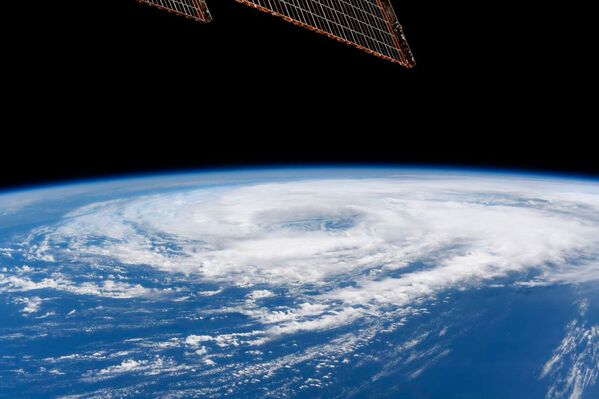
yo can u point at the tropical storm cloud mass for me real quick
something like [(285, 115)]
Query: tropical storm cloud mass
[(296, 283)]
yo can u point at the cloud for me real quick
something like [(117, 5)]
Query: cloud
[(574, 365), (194, 340), (32, 304), (107, 289), (464, 231), (259, 294), (125, 366), (156, 366), (336, 252)]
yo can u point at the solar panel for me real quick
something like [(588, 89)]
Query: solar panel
[(195, 9), (370, 25)]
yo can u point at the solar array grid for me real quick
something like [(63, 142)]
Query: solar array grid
[(195, 9), (370, 25)]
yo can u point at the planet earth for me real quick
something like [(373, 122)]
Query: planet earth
[(363, 282)]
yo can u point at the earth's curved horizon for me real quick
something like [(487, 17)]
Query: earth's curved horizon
[(302, 282)]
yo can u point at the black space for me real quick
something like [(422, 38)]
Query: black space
[(102, 87)]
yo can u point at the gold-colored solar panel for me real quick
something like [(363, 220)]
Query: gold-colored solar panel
[(195, 9), (370, 25)]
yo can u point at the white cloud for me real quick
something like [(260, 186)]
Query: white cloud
[(108, 288), (125, 366), (574, 365), (343, 250), (194, 340), (32, 305), (209, 362), (201, 351), (307, 231), (155, 366), (210, 293), (259, 294)]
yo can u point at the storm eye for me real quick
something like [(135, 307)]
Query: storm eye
[(310, 219), (324, 223)]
